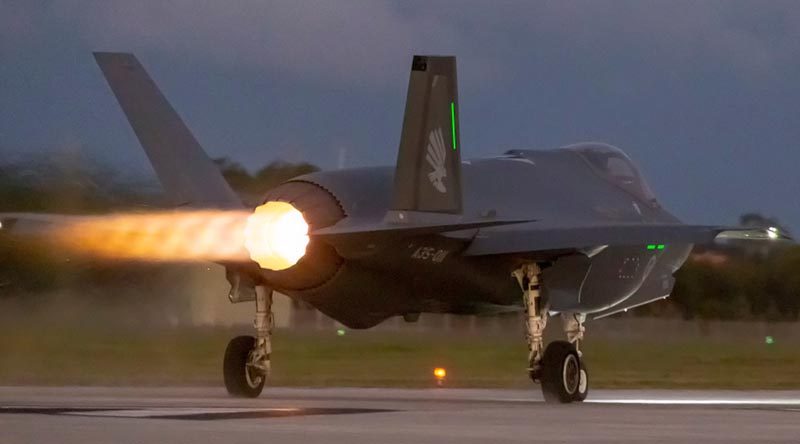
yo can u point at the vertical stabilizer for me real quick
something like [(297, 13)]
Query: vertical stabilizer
[(188, 176), (428, 173)]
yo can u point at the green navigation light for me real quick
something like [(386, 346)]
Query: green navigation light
[(651, 247), (453, 122), (660, 246)]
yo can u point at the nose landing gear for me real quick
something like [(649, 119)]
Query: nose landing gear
[(559, 367), (564, 375)]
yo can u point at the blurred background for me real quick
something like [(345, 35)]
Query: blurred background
[(733, 314)]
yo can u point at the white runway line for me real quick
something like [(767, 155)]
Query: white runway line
[(742, 402)]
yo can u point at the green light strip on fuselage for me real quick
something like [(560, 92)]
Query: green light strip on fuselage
[(655, 246), (453, 122)]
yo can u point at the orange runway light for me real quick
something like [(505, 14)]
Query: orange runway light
[(439, 373)]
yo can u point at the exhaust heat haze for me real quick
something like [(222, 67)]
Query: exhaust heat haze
[(275, 236)]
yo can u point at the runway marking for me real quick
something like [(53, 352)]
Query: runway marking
[(683, 401), (188, 413), (45, 410), (181, 412)]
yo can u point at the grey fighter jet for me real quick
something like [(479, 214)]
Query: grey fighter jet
[(573, 232)]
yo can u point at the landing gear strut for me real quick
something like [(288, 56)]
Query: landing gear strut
[(559, 367), (247, 359), (536, 316)]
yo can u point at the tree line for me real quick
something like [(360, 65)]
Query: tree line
[(734, 281)]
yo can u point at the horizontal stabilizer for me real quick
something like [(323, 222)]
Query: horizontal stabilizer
[(188, 176)]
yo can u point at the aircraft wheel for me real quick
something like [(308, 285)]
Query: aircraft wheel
[(241, 380), (583, 385), (561, 373)]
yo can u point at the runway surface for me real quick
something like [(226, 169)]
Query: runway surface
[(340, 415)]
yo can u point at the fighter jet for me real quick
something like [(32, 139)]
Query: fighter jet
[(573, 232)]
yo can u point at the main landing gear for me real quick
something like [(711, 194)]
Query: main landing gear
[(247, 359), (559, 367)]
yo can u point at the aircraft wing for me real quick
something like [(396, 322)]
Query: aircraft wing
[(357, 231), (531, 237)]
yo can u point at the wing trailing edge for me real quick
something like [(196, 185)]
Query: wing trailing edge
[(348, 232)]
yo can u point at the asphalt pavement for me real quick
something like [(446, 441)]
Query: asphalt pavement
[(80, 415)]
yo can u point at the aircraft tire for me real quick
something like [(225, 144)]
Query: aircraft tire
[(560, 373), (583, 385), (241, 381)]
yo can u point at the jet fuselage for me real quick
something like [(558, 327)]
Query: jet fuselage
[(435, 273)]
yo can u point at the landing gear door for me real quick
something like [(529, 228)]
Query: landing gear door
[(243, 287), (564, 280)]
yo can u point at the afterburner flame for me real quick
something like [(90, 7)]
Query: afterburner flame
[(276, 235), (182, 236)]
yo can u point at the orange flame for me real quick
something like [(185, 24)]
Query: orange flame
[(166, 236), (275, 236)]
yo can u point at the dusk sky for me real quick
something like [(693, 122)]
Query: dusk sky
[(703, 95)]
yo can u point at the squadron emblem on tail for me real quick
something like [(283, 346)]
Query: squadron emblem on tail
[(437, 155)]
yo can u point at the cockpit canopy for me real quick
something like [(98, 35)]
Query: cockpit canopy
[(615, 166)]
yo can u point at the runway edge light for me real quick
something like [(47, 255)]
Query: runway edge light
[(439, 373)]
